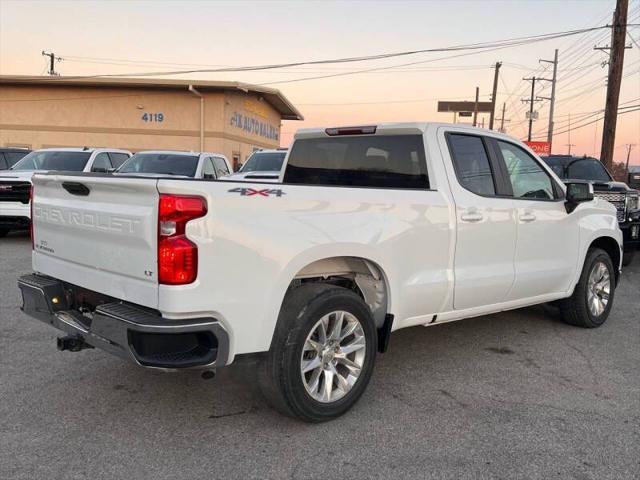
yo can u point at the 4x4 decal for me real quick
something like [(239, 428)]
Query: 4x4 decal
[(266, 192)]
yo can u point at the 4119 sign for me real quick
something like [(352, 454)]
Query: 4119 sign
[(153, 117)]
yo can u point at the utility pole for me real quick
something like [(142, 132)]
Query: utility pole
[(629, 147), (532, 100), (614, 79), (569, 139), (475, 107), (52, 60), (552, 98), (533, 92), (493, 95), (502, 119)]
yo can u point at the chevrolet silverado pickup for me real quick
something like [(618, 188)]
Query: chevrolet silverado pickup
[(371, 229), (625, 199)]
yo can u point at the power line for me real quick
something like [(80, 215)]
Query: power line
[(480, 46)]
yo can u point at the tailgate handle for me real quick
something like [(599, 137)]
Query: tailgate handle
[(75, 188)]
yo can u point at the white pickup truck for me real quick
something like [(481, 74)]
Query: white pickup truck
[(372, 229)]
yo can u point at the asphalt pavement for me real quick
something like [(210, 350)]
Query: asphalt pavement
[(518, 395)]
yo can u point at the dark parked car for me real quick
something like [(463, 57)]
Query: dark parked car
[(625, 199), (634, 176), (9, 156)]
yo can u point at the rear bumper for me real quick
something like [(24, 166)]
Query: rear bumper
[(631, 235), (14, 215), (128, 331)]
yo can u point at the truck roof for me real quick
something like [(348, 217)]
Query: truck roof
[(82, 149), (180, 152), (392, 128)]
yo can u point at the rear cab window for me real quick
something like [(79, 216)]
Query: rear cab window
[(375, 161), (471, 163)]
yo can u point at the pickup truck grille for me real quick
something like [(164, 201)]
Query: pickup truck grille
[(15, 192), (618, 201)]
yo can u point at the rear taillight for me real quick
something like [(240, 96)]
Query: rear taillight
[(177, 255), (31, 216)]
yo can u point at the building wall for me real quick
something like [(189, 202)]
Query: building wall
[(136, 119)]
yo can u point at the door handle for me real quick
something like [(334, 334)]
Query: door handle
[(472, 217), (527, 217)]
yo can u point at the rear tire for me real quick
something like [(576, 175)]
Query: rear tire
[(4, 232), (592, 299), (345, 356), (627, 258)]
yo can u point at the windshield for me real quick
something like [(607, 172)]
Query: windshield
[(264, 162), (588, 169), (161, 163), (54, 160)]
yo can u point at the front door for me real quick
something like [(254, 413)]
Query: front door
[(548, 243)]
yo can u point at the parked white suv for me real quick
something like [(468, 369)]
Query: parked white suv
[(261, 166), (373, 229), (206, 165), (15, 183)]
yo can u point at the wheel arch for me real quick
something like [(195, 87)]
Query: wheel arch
[(613, 249), (362, 275)]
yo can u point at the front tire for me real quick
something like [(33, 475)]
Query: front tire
[(322, 354), (592, 299)]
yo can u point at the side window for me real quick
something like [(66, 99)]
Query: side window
[(118, 159), (208, 171), (221, 167), (528, 178), (13, 157), (375, 161), (471, 162), (3, 162), (101, 163)]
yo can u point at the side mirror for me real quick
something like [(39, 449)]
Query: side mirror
[(577, 192), (99, 170), (238, 167), (209, 176)]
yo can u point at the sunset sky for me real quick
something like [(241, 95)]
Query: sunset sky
[(151, 36)]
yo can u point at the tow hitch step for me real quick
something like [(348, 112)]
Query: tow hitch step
[(72, 343)]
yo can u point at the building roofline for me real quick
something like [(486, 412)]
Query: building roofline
[(273, 96)]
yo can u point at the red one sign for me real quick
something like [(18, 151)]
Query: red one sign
[(541, 148)]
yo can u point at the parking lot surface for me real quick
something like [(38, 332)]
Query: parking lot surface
[(514, 395)]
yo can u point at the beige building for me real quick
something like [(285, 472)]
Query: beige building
[(141, 114)]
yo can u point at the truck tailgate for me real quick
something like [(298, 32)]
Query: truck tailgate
[(98, 232)]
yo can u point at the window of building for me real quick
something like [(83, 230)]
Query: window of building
[(235, 161), (471, 163)]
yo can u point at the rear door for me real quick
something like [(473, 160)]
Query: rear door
[(486, 227), (98, 232)]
